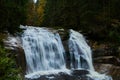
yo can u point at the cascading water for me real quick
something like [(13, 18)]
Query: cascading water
[(43, 50), (44, 53), (81, 55), (80, 52)]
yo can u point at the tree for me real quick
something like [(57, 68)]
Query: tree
[(7, 70), (35, 12), (12, 14), (67, 13), (94, 17)]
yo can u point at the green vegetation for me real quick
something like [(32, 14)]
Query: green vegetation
[(8, 66), (8, 70), (35, 12), (12, 14), (98, 18)]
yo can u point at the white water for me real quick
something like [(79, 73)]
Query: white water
[(43, 50), (40, 73), (44, 53), (80, 52), (81, 55)]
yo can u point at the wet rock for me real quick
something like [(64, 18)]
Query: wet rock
[(103, 50), (80, 72), (108, 69), (75, 75), (108, 60), (64, 34), (13, 44)]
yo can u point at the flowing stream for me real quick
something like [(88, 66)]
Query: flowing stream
[(44, 53)]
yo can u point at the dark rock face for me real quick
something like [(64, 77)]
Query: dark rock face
[(75, 75), (64, 34), (108, 59), (80, 72), (103, 50), (108, 69), (13, 44), (20, 57)]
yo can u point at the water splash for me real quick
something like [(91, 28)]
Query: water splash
[(43, 50)]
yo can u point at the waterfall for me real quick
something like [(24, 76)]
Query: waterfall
[(80, 52), (43, 50), (44, 53), (81, 55)]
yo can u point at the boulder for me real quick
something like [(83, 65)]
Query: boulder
[(75, 75), (108, 60), (103, 50), (13, 44), (109, 69)]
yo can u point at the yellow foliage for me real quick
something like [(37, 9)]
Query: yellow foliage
[(40, 11), (30, 13), (36, 13)]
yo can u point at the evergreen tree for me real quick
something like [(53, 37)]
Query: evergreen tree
[(12, 14)]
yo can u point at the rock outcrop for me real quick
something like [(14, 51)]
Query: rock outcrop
[(103, 59), (75, 75), (106, 60), (108, 69), (13, 44)]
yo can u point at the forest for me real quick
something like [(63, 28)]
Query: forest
[(99, 20), (94, 17)]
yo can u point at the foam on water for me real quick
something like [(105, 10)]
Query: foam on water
[(40, 73)]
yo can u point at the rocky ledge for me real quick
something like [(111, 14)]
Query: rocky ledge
[(108, 69), (13, 44), (75, 75)]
